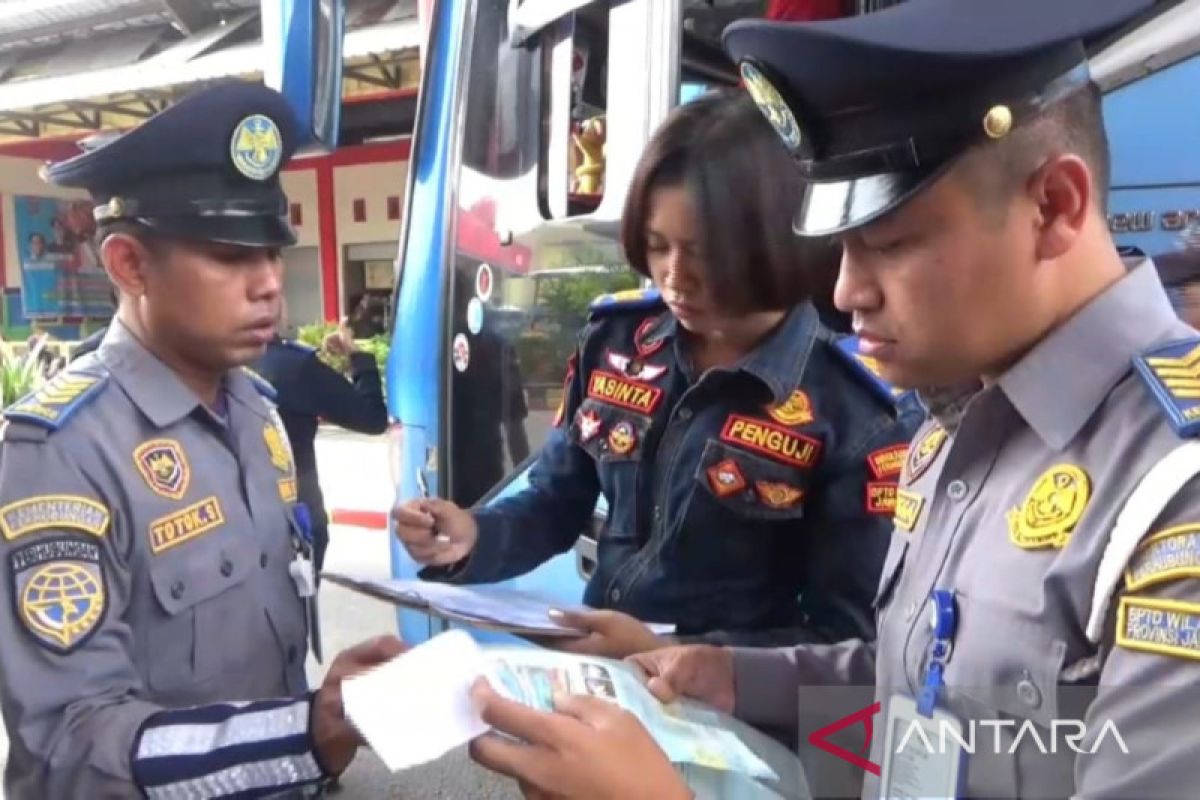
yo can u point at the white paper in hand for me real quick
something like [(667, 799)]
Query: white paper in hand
[(417, 707)]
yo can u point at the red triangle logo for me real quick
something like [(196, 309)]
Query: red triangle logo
[(819, 738)]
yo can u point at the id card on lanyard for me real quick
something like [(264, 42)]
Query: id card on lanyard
[(301, 570), (923, 755)]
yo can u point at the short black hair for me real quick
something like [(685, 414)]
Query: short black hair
[(746, 190), (1075, 125)]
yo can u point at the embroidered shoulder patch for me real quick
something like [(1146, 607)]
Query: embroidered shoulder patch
[(1165, 556), (264, 386), (1172, 374), (867, 368), (59, 590), (53, 512), (1166, 627), (627, 300), (54, 403)]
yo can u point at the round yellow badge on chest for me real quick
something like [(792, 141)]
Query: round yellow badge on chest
[(1051, 509)]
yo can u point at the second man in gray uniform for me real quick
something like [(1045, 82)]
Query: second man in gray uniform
[(156, 566)]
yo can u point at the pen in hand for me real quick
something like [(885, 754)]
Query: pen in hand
[(423, 486)]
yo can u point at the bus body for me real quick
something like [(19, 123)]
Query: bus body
[(510, 225)]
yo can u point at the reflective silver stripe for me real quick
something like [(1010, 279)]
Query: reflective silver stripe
[(255, 775), (198, 739)]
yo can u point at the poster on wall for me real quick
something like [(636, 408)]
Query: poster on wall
[(61, 274)]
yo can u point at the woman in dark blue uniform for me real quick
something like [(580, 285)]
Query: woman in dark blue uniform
[(748, 457)]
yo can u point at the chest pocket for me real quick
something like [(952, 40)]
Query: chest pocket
[(749, 485), (202, 590), (609, 434)]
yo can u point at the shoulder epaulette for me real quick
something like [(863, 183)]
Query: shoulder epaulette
[(866, 367), (264, 386), (56, 401), (627, 300), (1172, 374), (292, 344)]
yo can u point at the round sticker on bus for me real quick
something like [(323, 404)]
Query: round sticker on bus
[(475, 316), (483, 283), (462, 352)]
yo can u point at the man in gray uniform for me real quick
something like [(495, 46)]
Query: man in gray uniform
[(1040, 603), (155, 565)]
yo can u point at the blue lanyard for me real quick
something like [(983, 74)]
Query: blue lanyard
[(303, 526), (944, 624)]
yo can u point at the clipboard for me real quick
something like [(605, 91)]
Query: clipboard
[(451, 602)]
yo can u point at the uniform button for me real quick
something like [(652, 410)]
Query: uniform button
[(177, 590), (262, 560), (957, 490), (911, 611), (685, 414), (615, 595), (226, 567), (1029, 694), (291, 655), (657, 513)]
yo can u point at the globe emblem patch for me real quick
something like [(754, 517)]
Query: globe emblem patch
[(772, 105), (256, 147), (62, 602)]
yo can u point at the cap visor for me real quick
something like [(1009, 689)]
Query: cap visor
[(247, 231), (836, 207)]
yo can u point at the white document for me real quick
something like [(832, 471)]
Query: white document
[(418, 706)]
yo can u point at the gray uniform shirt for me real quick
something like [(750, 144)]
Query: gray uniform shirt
[(1008, 498), (146, 546)]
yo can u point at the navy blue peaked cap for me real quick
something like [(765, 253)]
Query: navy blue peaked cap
[(206, 168), (876, 106)]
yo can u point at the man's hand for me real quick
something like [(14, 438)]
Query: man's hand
[(335, 740), (701, 672), (341, 341), (591, 749), (611, 634), (435, 532)]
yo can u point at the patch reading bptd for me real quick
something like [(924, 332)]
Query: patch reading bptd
[(773, 441), (881, 498), (610, 388), (53, 511), (1167, 627), (184, 525), (1166, 556)]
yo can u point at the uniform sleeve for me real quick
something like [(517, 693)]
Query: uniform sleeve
[(357, 404), (74, 702), (518, 533), (767, 681), (1141, 726)]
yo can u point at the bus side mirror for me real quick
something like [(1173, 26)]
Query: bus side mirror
[(302, 49)]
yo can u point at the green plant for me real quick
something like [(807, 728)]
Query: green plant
[(20, 375)]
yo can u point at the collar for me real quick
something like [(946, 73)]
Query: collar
[(1095, 348), (778, 361), (154, 387)]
